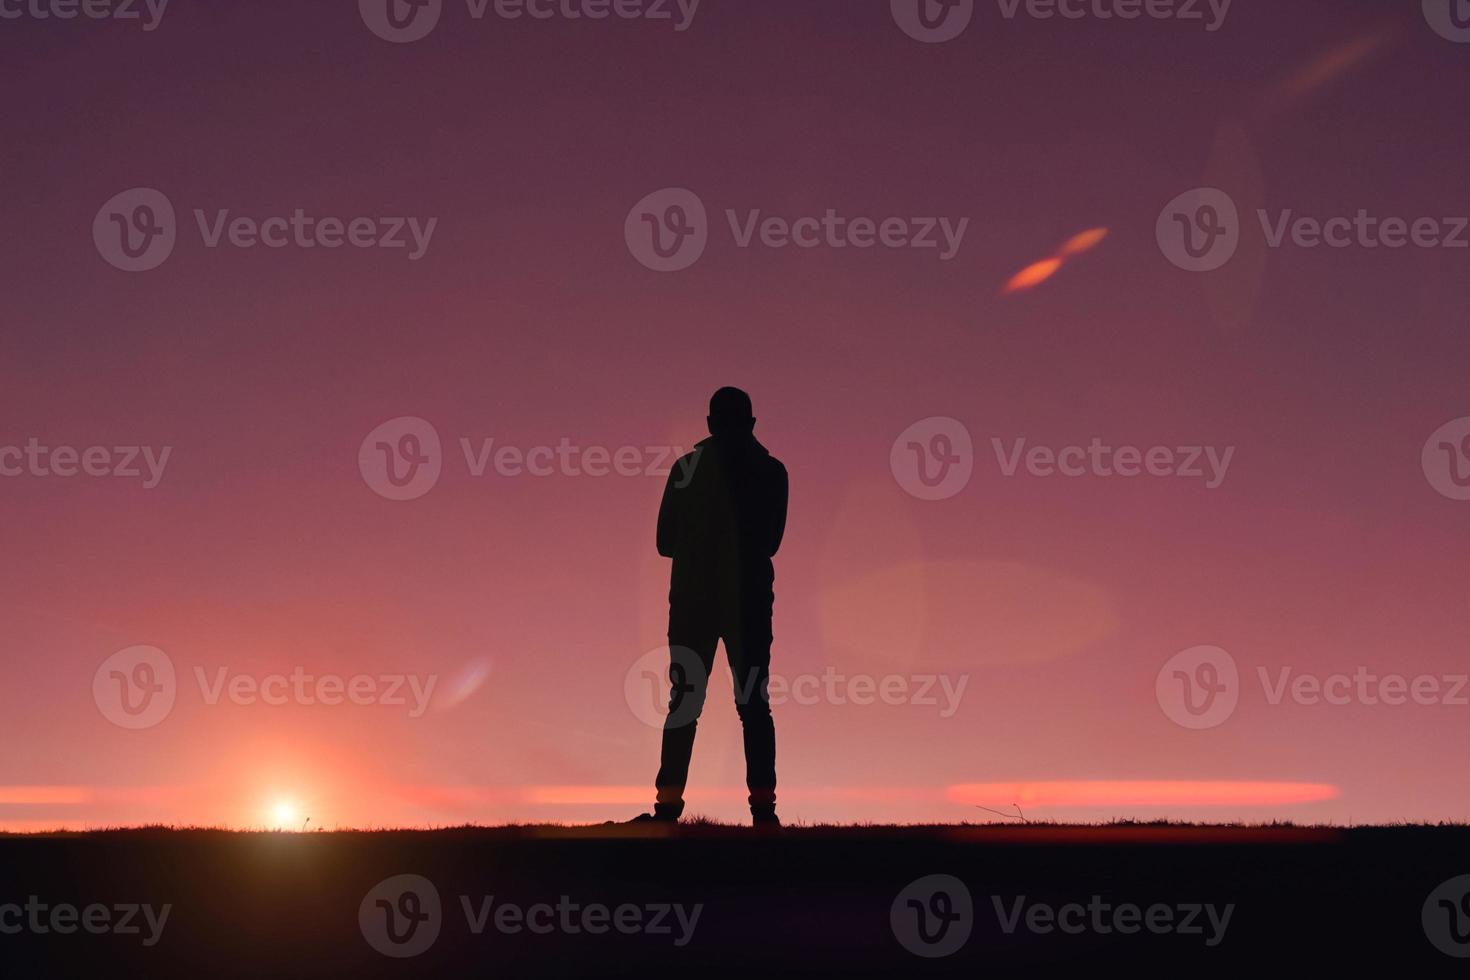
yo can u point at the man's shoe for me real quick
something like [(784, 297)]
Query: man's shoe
[(766, 821), (654, 818)]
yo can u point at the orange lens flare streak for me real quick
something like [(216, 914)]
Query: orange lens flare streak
[(1039, 272)]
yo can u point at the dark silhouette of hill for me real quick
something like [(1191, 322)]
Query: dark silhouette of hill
[(816, 900)]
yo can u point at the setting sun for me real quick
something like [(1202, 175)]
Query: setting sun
[(284, 815)]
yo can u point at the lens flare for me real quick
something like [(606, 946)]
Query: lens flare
[(1083, 242), (1033, 275), (1039, 272)]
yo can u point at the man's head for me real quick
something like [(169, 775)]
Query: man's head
[(730, 413)]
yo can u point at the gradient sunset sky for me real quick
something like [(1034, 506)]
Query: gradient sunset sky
[(263, 548)]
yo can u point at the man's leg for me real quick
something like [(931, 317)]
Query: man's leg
[(692, 640), (748, 646)]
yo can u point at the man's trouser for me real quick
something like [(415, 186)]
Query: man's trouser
[(693, 635)]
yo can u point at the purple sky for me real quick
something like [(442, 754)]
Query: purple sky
[(1324, 547)]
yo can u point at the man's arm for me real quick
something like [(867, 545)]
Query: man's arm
[(780, 491), (668, 513)]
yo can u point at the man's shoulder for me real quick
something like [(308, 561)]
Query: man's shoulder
[(681, 471)]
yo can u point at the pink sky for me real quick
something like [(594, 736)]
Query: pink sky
[(263, 550)]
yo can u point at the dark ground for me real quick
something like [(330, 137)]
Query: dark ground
[(807, 901)]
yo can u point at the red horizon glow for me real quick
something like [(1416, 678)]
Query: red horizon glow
[(1140, 793)]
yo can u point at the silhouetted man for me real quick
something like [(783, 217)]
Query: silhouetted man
[(721, 521)]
